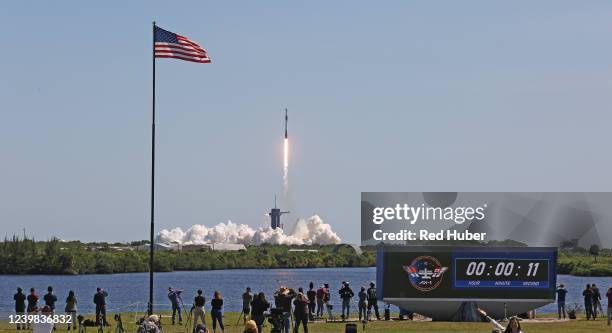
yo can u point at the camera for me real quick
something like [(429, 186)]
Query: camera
[(276, 318)]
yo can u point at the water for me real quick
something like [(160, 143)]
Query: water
[(129, 292)]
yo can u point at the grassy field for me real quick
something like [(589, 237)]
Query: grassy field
[(580, 325)]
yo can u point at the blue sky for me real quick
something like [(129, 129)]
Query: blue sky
[(386, 96)]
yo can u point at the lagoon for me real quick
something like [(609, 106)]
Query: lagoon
[(129, 292)]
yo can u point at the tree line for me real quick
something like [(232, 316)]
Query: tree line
[(27, 256)]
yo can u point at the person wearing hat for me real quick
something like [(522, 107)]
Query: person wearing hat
[(20, 307), (372, 301), (174, 295), (346, 294)]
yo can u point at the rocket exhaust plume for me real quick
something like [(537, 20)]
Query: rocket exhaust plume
[(286, 158), (307, 232)]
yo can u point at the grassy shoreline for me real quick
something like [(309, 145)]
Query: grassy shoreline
[(579, 325)]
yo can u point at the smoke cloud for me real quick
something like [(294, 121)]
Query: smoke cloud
[(306, 232)]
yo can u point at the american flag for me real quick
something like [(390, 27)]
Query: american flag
[(171, 45)]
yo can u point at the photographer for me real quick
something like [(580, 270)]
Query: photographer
[(346, 294), (282, 300), (99, 300), (561, 292), (259, 305), (247, 298), (174, 295), (301, 311), (216, 312)]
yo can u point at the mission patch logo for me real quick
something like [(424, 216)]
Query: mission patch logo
[(425, 273)]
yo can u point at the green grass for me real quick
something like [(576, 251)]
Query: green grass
[(580, 325)]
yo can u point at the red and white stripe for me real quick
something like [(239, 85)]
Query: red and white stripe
[(185, 50)]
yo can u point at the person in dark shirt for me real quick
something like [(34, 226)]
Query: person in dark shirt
[(198, 309), (282, 300), (609, 296), (596, 300), (259, 305), (50, 299), (20, 307), (346, 294), (588, 301), (216, 312), (99, 300), (372, 301), (301, 311), (363, 303), (32, 304), (561, 292), (311, 294)]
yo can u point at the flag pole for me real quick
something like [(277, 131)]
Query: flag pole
[(151, 245)]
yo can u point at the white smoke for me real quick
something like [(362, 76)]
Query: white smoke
[(306, 232)]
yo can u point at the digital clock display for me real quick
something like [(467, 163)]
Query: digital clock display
[(468, 272), (501, 272)]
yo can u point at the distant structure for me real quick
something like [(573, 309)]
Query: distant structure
[(227, 247), (275, 215), (178, 247)]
